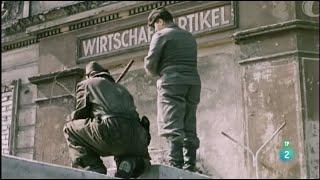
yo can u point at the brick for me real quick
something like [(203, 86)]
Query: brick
[(6, 94), (4, 127), (5, 123), (7, 113), (5, 142), (5, 151), (4, 98), (4, 137), (9, 108), (6, 103), (5, 131)]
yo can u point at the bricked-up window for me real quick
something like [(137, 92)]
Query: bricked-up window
[(6, 117)]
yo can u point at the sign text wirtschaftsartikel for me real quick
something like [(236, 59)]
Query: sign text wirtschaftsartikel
[(202, 21)]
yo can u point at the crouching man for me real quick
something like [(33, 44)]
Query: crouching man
[(106, 123)]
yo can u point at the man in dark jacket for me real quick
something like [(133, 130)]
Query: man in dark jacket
[(106, 123), (172, 57)]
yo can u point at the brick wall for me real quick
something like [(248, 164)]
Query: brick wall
[(6, 117)]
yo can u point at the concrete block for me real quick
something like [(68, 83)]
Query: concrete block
[(26, 138), (28, 94), (158, 171), (27, 116), (16, 167), (25, 155), (20, 168)]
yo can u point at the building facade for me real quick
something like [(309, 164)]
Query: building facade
[(258, 63)]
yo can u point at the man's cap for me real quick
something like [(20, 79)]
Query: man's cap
[(97, 68), (159, 12)]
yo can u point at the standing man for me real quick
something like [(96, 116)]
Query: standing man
[(106, 123), (172, 57)]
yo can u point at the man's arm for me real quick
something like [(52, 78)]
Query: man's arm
[(151, 61), (82, 106)]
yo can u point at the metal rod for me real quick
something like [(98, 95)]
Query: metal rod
[(61, 85), (235, 141), (255, 156), (261, 147), (125, 71)]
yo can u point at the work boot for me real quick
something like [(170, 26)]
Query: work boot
[(93, 163), (190, 155), (125, 167), (176, 154), (131, 167)]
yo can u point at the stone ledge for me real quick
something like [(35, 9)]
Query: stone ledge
[(284, 26), (16, 167), (58, 74)]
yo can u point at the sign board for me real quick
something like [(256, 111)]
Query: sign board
[(208, 20)]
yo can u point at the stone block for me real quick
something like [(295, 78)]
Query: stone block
[(27, 116), (25, 155), (28, 94), (15, 167), (26, 138)]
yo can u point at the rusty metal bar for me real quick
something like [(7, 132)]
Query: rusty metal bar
[(255, 156), (125, 71)]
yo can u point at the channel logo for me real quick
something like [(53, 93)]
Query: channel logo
[(286, 153)]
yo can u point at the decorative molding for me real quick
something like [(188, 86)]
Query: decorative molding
[(278, 55), (41, 78), (48, 33), (19, 44), (149, 7), (284, 26), (94, 21), (21, 24), (42, 100), (73, 9)]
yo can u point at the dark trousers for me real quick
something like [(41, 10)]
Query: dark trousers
[(177, 106), (88, 139)]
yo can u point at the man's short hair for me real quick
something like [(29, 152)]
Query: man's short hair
[(157, 13)]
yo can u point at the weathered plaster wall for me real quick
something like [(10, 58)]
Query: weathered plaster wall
[(246, 101), (259, 13), (21, 64), (271, 97)]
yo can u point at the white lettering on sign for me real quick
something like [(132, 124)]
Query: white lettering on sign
[(202, 21)]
